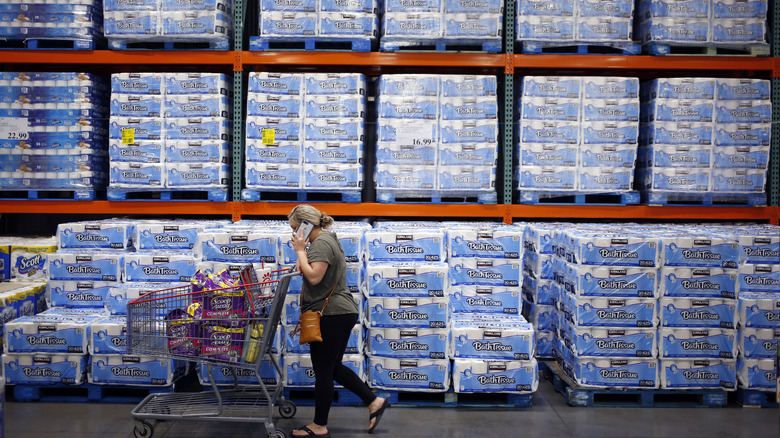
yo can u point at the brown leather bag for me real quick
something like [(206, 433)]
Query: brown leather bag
[(309, 323)]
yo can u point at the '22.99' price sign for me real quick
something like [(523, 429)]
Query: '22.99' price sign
[(14, 128)]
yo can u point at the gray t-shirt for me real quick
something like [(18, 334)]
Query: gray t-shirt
[(327, 248)]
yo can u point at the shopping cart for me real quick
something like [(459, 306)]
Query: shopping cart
[(233, 327)]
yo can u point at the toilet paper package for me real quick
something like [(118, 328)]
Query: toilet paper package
[(334, 83), (606, 179), (739, 180), (743, 111), (108, 335), (550, 108), (679, 88), (143, 128), (393, 154), (697, 282), (276, 83), (540, 291), (424, 375), (291, 343), (42, 368), (409, 342), (94, 266), (483, 271), (604, 29), (422, 244), (407, 107), (758, 343), (459, 178), (167, 235), (132, 23), (551, 155), (278, 176), (615, 373), (698, 373), (612, 281), (697, 343), (334, 106), (431, 312), (698, 312), (742, 134), (472, 25), (139, 152), (420, 6), (734, 157), (288, 24), (500, 242), (738, 31), (538, 238), (196, 24), (759, 278), (680, 156), (224, 374), (299, 373), (89, 294), (274, 105), (348, 24), (406, 279), (283, 152), (135, 105), (608, 87), (506, 339), (333, 153), (541, 316), (159, 266), (197, 105), (191, 175), (536, 7), (742, 88), (757, 374), (412, 24), (478, 376), (610, 312), (137, 175), (237, 246), (673, 30), (333, 130), (663, 8), (759, 310), (96, 235), (552, 86), (137, 83), (545, 28), (608, 110), (468, 85), (673, 179), (283, 129), (612, 249), (468, 108), (557, 178), (610, 342), (112, 369), (687, 248), (48, 333), (202, 128), (549, 132), (332, 176), (197, 84), (538, 266), (679, 110), (289, 6), (678, 133), (484, 299)]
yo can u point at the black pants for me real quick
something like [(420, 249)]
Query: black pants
[(326, 359)]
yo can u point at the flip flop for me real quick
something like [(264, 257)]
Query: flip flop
[(378, 415), (310, 432)]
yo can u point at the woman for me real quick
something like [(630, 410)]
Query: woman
[(324, 273)]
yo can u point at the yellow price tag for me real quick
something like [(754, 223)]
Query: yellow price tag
[(128, 135), (269, 136)]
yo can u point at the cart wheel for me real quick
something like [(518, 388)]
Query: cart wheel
[(278, 434), (287, 409), (145, 431)]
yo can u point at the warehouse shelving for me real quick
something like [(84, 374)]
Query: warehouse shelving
[(239, 62)]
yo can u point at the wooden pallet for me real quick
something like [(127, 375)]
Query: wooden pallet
[(704, 199), (52, 195), (436, 197), (350, 196), (212, 195), (141, 44), (580, 48), (264, 44), (579, 396), (578, 198), (663, 49), (51, 44), (439, 45), (751, 398)]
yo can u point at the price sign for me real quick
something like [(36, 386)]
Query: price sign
[(14, 128), (128, 135), (418, 133), (269, 136)]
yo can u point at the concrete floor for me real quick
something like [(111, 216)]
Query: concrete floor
[(549, 417)]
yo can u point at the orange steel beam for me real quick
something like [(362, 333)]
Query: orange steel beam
[(376, 59), (118, 207)]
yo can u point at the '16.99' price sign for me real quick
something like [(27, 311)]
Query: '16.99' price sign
[(420, 133), (14, 128)]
